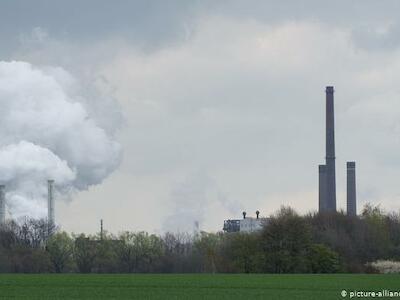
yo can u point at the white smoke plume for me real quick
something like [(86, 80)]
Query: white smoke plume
[(190, 200), (46, 132)]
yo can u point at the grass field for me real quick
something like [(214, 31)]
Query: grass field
[(190, 286)]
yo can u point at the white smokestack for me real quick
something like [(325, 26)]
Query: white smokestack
[(50, 202), (2, 205)]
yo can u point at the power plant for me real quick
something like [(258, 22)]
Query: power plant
[(326, 178), (50, 203), (327, 172)]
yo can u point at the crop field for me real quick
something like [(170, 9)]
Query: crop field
[(191, 286)]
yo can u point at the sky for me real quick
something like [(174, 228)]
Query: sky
[(198, 110)]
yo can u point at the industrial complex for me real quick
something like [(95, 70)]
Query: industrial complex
[(327, 183), (327, 179)]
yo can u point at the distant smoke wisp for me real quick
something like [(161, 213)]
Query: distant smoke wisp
[(190, 201), (47, 133)]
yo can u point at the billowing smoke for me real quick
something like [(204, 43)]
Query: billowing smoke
[(46, 132), (191, 199)]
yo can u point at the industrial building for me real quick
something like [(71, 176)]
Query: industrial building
[(247, 224)]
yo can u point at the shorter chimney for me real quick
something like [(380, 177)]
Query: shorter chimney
[(351, 189)]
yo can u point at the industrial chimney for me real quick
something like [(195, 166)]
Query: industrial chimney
[(50, 202), (330, 151), (2, 205), (322, 188), (351, 189)]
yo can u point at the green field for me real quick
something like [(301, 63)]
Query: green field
[(190, 286)]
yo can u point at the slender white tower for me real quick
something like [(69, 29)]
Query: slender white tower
[(50, 202), (2, 205)]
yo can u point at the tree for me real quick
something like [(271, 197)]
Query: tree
[(178, 254), (207, 244), (60, 247), (35, 232), (322, 259), (341, 233), (377, 242), (138, 252), (241, 252), (4, 261), (286, 242), (84, 253), (8, 234), (106, 260)]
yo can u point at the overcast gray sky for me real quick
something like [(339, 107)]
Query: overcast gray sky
[(219, 105)]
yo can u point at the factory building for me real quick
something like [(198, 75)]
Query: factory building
[(247, 224)]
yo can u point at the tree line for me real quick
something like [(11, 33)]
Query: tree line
[(288, 243)]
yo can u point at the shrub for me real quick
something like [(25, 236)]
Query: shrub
[(386, 266)]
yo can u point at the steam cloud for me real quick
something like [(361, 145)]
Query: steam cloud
[(190, 201), (46, 132)]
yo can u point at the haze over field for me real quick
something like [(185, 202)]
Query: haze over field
[(216, 106)]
